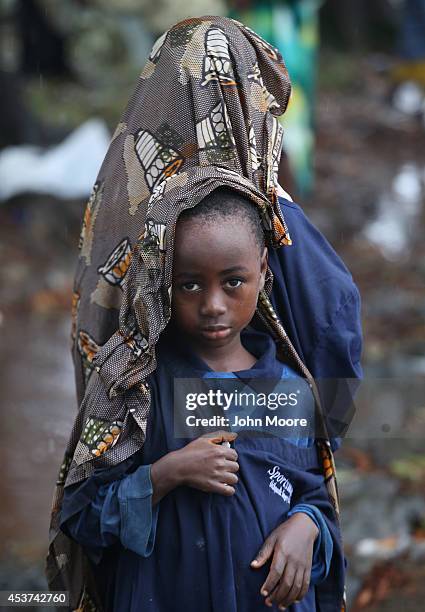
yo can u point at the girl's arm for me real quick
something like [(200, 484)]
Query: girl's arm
[(306, 548), (126, 510), (290, 547), (121, 511)]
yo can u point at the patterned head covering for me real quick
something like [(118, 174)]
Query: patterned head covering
[(203, 115)]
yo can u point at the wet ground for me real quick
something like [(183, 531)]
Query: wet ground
[(369, 203)]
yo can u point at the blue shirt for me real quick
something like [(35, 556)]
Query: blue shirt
[(122, 515), (123, 511)]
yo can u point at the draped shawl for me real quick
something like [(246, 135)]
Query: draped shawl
[(203, 115)]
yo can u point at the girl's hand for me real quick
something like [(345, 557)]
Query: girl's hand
[(291, 547), (206, 465)]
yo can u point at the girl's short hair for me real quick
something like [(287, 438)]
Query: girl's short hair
[(224, 203)]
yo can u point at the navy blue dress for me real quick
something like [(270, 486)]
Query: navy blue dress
[(192, 551)]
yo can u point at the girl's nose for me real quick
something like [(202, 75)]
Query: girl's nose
[(212, 306)]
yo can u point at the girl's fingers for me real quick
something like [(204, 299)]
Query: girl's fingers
[(230, 454), (224, 478), (232, 466), (230, 478), (275, 573), (294, 592), (224, 489), (306, 583), (221, 436), (265, 552), (287, 577)]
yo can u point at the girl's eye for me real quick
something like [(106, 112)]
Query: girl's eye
[(235, 280), (190, 287)]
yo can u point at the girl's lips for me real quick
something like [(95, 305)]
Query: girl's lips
[(215, 334)]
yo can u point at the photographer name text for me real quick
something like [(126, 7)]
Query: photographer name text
[(245, 421)]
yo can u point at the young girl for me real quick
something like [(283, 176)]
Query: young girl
[(142, 520)]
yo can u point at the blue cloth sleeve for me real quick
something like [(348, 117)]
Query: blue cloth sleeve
[(138, 517), (322, 315), (121, 512), (323, 545)]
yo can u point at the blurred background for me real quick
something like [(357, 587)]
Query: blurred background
[(354, 160)]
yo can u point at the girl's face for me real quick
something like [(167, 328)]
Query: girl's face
[(217, 275)]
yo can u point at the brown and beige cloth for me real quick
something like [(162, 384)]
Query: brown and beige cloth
[(203, 114)]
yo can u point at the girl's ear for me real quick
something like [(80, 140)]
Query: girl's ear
[(263, 264)]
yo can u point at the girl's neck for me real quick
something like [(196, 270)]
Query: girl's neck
[(229, 358)]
